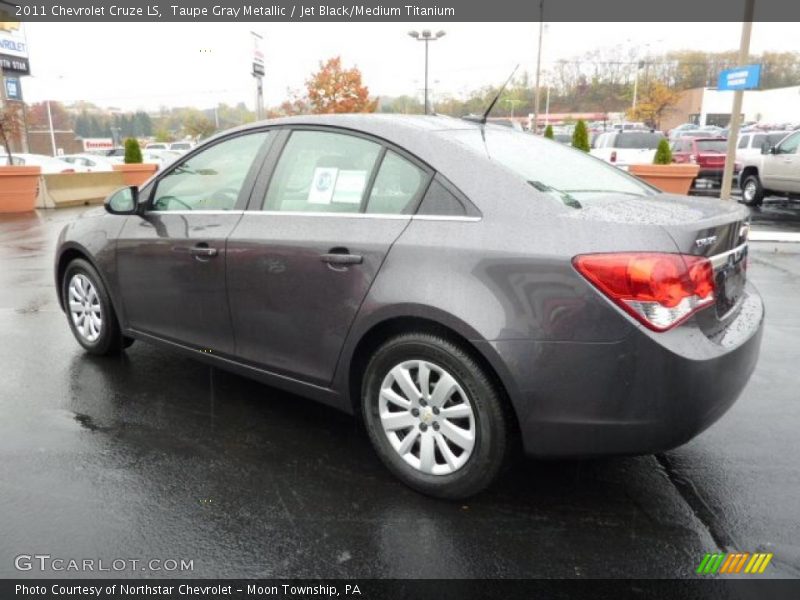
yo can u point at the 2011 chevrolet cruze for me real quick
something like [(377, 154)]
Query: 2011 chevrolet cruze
[(461, 286)]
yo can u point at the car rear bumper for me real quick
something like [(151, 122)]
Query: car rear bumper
[(647, 393), (709, 181)]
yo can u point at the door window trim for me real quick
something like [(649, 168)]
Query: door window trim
[(248, 184)]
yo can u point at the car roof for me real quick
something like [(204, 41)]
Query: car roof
[(380, 124)]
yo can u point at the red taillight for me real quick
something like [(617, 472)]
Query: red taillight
[(613, 156), (659, 290)]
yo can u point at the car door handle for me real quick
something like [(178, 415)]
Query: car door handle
[(203, 252), (342, 258)]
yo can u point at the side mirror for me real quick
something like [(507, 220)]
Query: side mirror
[(125, 201)]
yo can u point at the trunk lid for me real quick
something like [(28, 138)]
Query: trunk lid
[(711, 160)]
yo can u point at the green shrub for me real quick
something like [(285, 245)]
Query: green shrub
[(548, 132), (663, 154), (580, 137), (133, 153)]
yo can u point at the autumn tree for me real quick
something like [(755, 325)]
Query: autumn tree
[(198, 126), (11, 126), (38, 119), (656, 101), (334, 89)]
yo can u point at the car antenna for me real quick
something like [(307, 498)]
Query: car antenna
[(488, 110)]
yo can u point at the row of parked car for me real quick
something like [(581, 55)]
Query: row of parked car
[(767, 161), (161, 154)]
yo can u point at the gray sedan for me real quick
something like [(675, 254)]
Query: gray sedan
[(469, 290)]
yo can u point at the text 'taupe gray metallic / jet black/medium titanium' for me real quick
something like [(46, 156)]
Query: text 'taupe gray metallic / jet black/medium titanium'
[(468, 289)]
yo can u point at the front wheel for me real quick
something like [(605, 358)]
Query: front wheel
[(752, 191), (89, 312), (434, 416)]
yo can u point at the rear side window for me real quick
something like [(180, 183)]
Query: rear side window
[(397, 186), (321, 171), (440, 201), (743, 141)]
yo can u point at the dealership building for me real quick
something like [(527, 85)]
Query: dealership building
[(709, 106)]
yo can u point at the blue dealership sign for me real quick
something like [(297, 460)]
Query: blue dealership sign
[(740, 78)]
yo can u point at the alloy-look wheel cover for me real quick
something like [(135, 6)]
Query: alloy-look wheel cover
[(84, 308), (427, 417)]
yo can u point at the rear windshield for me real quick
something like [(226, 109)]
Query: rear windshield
[(634, 139), (549, 165), (720, 146)]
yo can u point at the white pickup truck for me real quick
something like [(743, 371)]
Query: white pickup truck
[(775, 171), (626, 148)]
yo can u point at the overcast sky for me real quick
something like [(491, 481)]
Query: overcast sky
[(199, 64)]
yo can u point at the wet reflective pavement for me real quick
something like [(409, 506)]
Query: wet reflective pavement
[(153, 455), (776, 214)]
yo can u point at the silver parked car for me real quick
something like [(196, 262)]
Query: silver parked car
[(463, 287)]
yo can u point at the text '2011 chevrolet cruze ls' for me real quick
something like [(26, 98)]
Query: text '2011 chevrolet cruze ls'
[(463, 287)]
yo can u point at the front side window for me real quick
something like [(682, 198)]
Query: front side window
[(547, 166), (212, 179), (789, 145), (397, 186), (321, 171)]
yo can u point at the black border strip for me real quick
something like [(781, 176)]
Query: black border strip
[(439, 11)]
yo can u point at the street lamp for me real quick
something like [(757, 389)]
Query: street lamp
[(426, 36)]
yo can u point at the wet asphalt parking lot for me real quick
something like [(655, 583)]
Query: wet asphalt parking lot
[(154, 455)]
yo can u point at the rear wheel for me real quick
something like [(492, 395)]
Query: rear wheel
[(89, 312), (434, 416), (752, 190)]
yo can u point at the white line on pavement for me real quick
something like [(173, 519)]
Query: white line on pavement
[(774, 236)]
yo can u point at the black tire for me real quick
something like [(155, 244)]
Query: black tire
[(757, 198), (110, 340), (492, 431)]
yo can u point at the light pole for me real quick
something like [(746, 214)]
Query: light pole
[(52, 133), (538, 69), (426, 36), (639, 65)]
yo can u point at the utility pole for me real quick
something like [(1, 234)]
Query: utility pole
[(538, 69), (738, 96), (258, 73), (547, 108)]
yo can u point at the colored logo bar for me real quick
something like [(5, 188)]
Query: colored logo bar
[(734, 562)]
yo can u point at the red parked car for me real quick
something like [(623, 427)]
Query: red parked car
[(709, 153)]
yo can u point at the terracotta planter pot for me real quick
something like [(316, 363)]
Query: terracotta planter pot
[(136, 174), (674, 179), (19, 187)]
